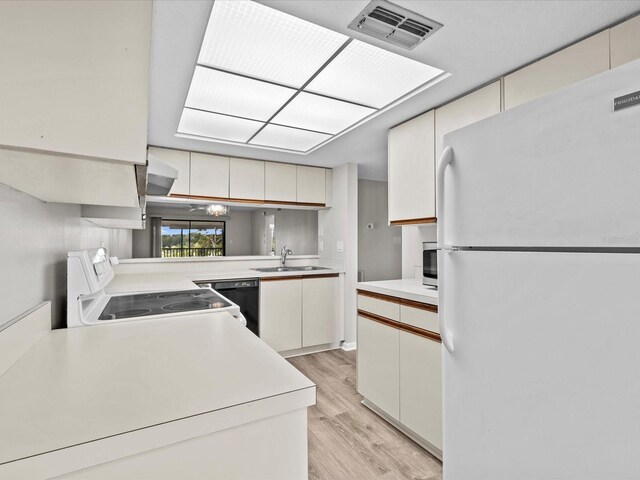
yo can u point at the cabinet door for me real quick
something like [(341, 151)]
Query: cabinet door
[(179, 160), (421, 386), (577, 62), (412, 171), (379, 365), (246, 179), (321, 312), (469, 109), (279, 182), (75, 77), (209, 175), (625, 42), (311, 185), (281, 313)]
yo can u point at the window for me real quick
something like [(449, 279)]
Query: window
[(197, 238)]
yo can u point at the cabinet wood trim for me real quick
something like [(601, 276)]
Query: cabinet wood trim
[(413, 221), (304, 204), (419, 305), (401, 326), (401, 301), (378, 296), (247, 200), (298, 277)]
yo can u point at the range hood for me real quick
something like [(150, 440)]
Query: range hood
[(160, 177)]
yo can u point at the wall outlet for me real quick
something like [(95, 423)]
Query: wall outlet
[(320, 246), (340, 246)]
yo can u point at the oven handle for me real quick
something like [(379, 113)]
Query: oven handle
[(443, 249)]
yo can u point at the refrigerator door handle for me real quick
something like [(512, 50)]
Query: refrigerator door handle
[(445, 159)]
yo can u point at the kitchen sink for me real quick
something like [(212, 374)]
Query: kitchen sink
[(290, 269)]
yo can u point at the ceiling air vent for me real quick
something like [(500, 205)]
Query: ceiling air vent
[(394, 24)]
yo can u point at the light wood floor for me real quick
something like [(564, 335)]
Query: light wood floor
[(348, 441)]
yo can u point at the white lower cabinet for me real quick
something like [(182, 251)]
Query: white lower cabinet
[(379, 365), (301, 312), (281, 313), (321, 318), (421, 386), (400, 364)]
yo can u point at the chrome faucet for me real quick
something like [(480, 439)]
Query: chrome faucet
[(283, 255)]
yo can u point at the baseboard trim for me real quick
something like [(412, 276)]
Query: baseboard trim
[(433, 450), (347, 347), (307, 350)]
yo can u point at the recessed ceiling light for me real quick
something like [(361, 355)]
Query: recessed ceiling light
[(206, 124), (321, 114), (230, 94), (266, 79), (370, 75), (288, 138), (252, 39)]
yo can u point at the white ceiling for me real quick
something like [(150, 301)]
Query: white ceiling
[(480, 41)]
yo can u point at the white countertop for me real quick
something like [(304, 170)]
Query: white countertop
[(82, 384), (148, 282), (407, 288), (153, 282), (249, 273)]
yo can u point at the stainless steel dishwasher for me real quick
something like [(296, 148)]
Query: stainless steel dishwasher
[(245, 293)]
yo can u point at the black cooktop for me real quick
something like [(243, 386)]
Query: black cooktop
[(159, 303)]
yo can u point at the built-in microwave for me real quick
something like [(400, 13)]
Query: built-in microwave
[(430, 264)]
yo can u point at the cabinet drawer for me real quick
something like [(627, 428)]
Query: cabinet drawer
[(383, 308), (421, 318)]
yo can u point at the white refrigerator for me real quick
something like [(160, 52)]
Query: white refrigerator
[(539, 237)]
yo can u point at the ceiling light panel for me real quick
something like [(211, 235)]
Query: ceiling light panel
[(252, 39), (212, 125), (230, 94), (321, 114), (370, 75), (288, 138)]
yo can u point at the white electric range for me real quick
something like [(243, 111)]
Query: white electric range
[(90, 271)]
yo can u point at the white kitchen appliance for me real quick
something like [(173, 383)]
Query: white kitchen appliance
[(90, 271), (539, 298)]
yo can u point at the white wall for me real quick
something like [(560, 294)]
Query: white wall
[(34, 240), (298, 230), (379, 258), (238, 235), (412, 238), (340, 224)]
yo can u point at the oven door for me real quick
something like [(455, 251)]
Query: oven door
[(430, 265)]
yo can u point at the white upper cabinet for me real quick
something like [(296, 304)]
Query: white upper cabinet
[(625, 42), (279, 182), (179, 160), (75, 77), (412, 171), (209, 175), (246, 179), (572, 64), (469, 109), (311, 185)]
